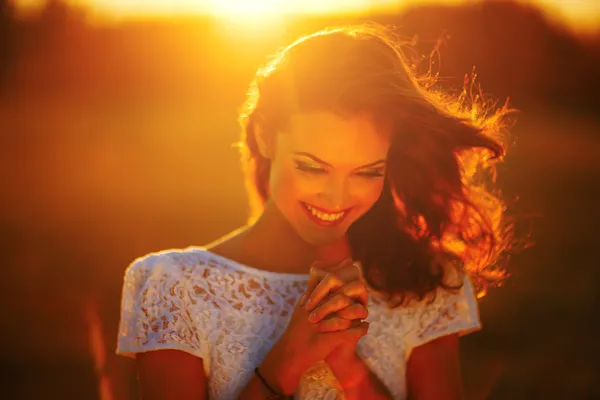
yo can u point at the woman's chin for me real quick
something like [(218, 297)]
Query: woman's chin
[(321, 237)]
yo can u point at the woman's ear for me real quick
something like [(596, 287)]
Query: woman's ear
[(264, 141)]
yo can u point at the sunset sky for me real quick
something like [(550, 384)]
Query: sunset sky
[(580, 14)]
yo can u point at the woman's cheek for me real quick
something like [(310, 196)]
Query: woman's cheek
[(367, 192), (286, 184)]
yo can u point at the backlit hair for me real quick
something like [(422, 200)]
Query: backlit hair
[(438, 213)]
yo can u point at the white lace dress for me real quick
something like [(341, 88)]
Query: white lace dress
[(230, 315)]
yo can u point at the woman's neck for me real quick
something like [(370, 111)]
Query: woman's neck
[(276, 243), (334, 253)]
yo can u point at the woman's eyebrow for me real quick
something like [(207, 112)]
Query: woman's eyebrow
[(323, 162), (313, 157), (373, 164)]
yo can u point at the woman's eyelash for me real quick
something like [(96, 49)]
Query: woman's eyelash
[(372, 173), (309, 168), (375, 173)]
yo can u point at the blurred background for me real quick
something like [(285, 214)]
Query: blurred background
[(117, 119)]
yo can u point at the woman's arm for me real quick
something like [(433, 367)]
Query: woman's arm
[(174, 374), (277, 374), (433, 371), (369, 387), (171, 374)]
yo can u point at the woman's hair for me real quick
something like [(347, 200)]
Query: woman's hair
[(438, 213)]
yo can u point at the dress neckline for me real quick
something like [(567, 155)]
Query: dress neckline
[(247, 268)]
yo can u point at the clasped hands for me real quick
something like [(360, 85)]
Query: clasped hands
[(336, 299)]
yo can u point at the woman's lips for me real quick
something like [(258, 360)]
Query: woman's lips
[(324, 217)]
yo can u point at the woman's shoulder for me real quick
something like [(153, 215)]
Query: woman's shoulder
[(196, 278), (155, 305), (192, 261), (196, 267), (168, 262), (190, 276), (176, 269)]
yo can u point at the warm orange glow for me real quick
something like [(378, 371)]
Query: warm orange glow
[(580, 15), (244, 7), (239, 8)]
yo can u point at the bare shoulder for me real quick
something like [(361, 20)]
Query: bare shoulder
[(230, 243), (235, 246), (171, 374)]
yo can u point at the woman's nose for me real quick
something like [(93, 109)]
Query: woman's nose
[(335, 194)]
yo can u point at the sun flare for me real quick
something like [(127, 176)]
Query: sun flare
[(244, 7), (581, 14)]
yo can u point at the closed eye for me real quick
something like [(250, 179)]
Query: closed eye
[(311, 169), (371, 173)]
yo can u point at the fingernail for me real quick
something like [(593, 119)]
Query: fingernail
[(302, 300), (309, 302), (312, 316)]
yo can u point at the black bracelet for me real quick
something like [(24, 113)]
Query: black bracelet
[(275, 394)]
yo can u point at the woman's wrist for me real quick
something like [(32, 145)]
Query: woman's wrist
[(349, 372), (281, 375), (358, 382)]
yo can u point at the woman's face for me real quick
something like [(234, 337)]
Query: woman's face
[(326, 172)]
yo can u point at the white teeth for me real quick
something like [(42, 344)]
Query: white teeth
[(324, 216)]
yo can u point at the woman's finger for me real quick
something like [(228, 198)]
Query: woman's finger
[(341, 306), (349, 272), (351, 334), (356, 311), (333, 324), (346, 269), (328, 284), (329, 306), (340, 299), (341, 266), (356, 290), (316, 275)]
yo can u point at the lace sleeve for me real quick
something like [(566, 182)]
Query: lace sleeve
[(450, 312), (154, 311)]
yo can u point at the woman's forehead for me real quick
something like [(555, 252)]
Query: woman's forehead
[(328, 135)]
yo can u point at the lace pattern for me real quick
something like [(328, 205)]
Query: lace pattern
[(230, 315)]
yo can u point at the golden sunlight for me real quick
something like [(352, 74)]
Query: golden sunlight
[(237, 8), (245, 7), (580, 15)]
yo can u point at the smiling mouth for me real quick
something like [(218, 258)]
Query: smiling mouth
[(323, 217)]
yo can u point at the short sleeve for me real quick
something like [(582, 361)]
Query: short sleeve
[(154, 311), (449, 313)]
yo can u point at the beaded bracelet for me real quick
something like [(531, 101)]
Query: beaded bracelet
[(274, 394)]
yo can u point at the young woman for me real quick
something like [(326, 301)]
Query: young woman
[(354, 279)]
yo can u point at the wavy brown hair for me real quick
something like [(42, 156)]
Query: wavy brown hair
[(438, 213)]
